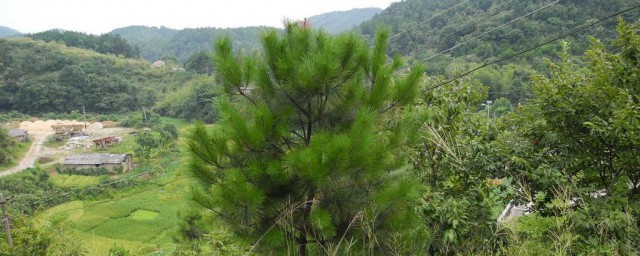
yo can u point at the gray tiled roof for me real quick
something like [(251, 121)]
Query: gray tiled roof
[(17, 132), (98, 158)]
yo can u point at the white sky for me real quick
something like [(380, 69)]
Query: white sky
[(102, 16)]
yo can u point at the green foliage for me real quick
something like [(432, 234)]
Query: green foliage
[(201, 63), (160, 134), (6, 147), (105, 43), (453, 161), (193, 102), (68, 181), (146, 142), (421, 30), (157, 43), (299, 153), (117, 250), (38, 78), (12, 116), (455, 26), (28, 240), (83, 171), (581, 131)]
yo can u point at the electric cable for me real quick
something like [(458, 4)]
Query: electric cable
[(492, 30), (579, 29)]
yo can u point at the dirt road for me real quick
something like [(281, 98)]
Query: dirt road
[(39, 130), (31, 156)]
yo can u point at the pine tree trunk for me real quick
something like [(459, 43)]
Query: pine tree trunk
[(306, 225), (302, 245)]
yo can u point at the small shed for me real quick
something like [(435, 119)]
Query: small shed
[(19, 134), (113, 162)]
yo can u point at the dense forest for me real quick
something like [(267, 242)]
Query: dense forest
[(355, 144), (456, 36), (158, 43), (161, 42), (38, 77), (439, 25), (105, 43)]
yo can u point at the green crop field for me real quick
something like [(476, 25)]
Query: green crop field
[(66, 181), (142, 220)]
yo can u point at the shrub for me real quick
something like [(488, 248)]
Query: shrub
[(99, 171)]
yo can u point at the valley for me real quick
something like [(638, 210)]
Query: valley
[(485, 127)]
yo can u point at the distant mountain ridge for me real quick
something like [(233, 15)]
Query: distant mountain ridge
[(162, 42), (105, 43), (425, 27), (339, 21), (8, 32)]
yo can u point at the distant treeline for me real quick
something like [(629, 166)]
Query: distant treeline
[(105, 43), (161, 43), (37, 77)]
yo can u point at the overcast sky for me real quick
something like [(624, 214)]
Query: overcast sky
[(101, 16)]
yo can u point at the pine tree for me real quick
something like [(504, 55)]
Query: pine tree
[(306, 149)]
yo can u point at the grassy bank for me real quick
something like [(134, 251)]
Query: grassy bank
[(19, 152)]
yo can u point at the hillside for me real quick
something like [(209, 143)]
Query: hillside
[(338, 21), (38, 77), (105, 43), (156, 43), (8, 32), (420, 31)]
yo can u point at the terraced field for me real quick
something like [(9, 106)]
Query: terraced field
[(142, 220)]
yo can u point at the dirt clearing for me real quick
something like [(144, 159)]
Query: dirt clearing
[(40, 130)]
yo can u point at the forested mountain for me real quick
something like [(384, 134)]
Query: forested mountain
[(156, 43), (105, 43), (7, 32), (454, 36), (423, 28), (338, 21), (38, 77)]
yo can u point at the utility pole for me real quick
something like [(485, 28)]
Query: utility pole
[(5, 220), (488, 105), (145, 113), (84, 115)]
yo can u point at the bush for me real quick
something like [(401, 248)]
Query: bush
[(99, 171), (118, 250)]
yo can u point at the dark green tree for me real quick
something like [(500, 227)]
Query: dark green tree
[(306, 146), (200, 62), (581, 134), (147, 141)]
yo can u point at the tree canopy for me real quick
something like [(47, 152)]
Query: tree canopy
[(105, 43), (299, 154)]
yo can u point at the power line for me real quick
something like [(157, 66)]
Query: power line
[(506, 7), (429, 19), (491, 30), (579, 29)]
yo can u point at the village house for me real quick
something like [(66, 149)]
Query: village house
[(112, 162), (19, 134)]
